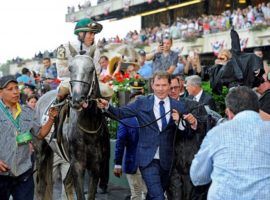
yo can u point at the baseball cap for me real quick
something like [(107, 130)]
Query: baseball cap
[(32, 87), (5, 80)]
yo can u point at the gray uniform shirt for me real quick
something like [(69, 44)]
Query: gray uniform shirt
[(162, 63), (17, 157)]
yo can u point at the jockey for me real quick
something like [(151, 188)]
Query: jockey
[(85, 29)]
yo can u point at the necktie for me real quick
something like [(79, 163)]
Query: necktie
[(162, 114)]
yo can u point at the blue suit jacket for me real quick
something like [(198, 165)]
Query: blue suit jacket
[(150, 138), (127, 138)]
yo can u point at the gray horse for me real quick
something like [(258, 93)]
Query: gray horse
[(81, 134)]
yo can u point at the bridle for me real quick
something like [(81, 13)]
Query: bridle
[(90, 85), (88, 99)]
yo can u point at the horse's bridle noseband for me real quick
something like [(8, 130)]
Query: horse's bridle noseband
[(91, 85)]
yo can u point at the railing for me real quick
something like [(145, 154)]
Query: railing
[(204, 44)]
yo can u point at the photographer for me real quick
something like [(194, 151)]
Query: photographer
[(235, 156), (193, 64), (164, 59)]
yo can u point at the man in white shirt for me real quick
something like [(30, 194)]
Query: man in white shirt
[(155, 146)]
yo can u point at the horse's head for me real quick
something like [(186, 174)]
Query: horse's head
[(82, 80)]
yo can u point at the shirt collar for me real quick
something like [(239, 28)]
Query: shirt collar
[(157, 100), (246, 114), (19, 108), (198, 96)]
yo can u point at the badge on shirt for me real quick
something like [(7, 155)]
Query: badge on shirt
[(24, 138)]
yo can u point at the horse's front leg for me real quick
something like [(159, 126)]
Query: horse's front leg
[(69, 186), (92, 186), (77, 171)]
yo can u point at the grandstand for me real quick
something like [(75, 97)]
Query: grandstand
[(159, 16), (155, 11)]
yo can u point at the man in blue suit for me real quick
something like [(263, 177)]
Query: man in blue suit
[(155, 146)]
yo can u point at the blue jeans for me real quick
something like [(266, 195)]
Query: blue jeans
[(20, 188)]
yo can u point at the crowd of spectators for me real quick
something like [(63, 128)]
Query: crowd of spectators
[(191, 28), (182, 28)]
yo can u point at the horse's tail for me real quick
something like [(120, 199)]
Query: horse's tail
[(44, 167)]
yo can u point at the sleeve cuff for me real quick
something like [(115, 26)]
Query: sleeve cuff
[(117, 167)]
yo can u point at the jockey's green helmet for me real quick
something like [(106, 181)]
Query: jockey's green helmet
[(87, 25)]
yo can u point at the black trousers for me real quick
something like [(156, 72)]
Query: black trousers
[(20, 187), (181, 187)]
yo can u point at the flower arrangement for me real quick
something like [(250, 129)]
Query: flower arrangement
[(122, 82)]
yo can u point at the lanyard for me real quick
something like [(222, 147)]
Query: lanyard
[(10, 117)]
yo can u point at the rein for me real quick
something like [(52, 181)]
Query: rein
[(145, 125), (88, 131), (88, 99), (114, 117)]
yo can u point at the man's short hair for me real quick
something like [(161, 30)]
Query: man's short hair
[(174, 76), (25, 71), (47, 58), (242, 98), (161, 75), (104, 57), (194, 80), (167, 37)]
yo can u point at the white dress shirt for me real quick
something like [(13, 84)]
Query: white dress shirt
[(198, 96), (156, 110)]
